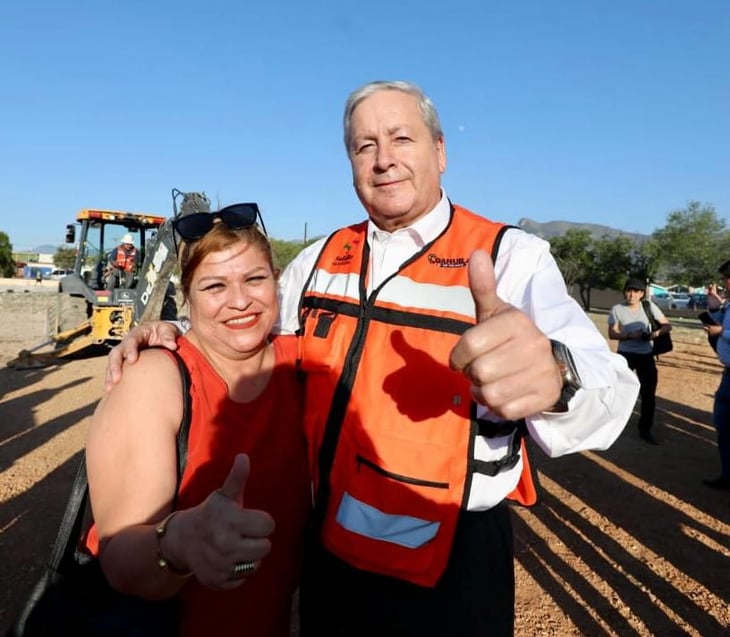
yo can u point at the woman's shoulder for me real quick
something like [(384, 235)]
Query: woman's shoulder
[(657, 311), (157, 356), (153, 380), (155, 362)]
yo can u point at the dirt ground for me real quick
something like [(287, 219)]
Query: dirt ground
[(626, 542)]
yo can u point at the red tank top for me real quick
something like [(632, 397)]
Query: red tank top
[(269, 430)]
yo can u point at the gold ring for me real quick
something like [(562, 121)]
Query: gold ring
[(243, 569)]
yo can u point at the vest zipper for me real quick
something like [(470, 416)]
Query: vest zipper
[(397, 476), (338, 408)]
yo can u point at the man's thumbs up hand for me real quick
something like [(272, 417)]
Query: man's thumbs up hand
[(484, 287), (507, 359)]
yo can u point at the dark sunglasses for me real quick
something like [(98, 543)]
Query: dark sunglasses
[(236, 216)]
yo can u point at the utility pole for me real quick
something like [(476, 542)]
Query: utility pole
[(305, 232)]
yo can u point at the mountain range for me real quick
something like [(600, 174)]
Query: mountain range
[(551, 229), (545, 230), (45, 249)]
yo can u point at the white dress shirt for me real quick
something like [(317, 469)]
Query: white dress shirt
[(529, 279)]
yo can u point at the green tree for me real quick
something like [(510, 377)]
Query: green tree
[(692, 244), (571, 252), (285, 251), (645, 262), (65, 258), (613, 259), (588, 263), (7, 265)]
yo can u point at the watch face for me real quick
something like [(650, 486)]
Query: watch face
[(571, 381), (563, 359)]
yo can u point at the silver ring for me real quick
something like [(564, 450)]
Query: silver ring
[(243, 569)]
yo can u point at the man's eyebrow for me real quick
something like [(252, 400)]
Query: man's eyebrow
[(371, 133)]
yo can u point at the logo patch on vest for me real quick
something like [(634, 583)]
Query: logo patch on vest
[(448, 262), (344, 259)]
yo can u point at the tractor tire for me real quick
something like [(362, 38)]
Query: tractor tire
[(67, 313)]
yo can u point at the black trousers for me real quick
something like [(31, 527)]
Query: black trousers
[(645, 368), (474, 598)]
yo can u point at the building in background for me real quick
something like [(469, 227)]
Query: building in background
[(29, 263)]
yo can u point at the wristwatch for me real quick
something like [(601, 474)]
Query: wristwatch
[(569, 374)]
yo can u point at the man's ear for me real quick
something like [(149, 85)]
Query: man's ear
[(441, 152), (277, 274)]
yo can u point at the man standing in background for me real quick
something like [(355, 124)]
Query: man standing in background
[(721, 407)]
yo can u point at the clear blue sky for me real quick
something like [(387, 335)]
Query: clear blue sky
[(580, 110)]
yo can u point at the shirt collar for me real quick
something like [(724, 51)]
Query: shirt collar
[(425, 229)]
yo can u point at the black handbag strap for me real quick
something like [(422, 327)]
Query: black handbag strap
[(653, 323), (77, 506)]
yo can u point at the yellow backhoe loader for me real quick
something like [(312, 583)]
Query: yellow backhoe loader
[(92, 311)]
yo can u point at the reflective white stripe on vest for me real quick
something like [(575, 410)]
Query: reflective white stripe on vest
[(403, 291), (400, 290), (336, 284), (404, 530)]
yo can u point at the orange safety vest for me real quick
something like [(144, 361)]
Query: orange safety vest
[(124, 260), (391, 428)]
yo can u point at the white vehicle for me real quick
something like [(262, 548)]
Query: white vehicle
[(57, 275), (669, 301)]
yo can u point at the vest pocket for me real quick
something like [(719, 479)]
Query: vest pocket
[(365, 520), (393, 510), (364, 462), (325, 339)]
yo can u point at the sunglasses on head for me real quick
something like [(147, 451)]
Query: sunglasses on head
[(236, 216)]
